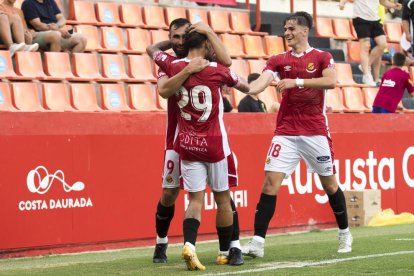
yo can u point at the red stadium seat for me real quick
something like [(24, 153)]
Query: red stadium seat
[(240, 23), (274, 45), (354, 100), (142, 97), (29, 64), (83, 97), (140, 68), (234, 45), (158, 36), (256, 65), (344, 75), (107, 13), (6, 98), (112, 40), (113, 97), (334, 100), (369, 95), (138, 40), (393, 31), (239, 67), (269, 97), (162, 103), (113, 68), (353, 51), (342, 28), (56, 97), (172, 13), (196, 15), (154, 17), (82, 12), (57, 66), (253, 46), (85, 67), (6, 67), (91, 32), (131, 15), (219, 21), (324, 27), (26, 96)]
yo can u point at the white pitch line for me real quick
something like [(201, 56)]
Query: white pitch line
[(408, 239), (308, 264)]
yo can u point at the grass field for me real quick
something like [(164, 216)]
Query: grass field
[(376, 251)]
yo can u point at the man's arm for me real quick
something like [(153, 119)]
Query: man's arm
[(390, 5), (261, 83), (406, 29), (327, 81), (169, 86), (242, 85), (160, 46), (39, 25), (220, 50)]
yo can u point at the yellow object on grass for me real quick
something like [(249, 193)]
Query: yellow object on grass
[(388, 217)]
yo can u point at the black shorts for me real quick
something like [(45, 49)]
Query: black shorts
[(365, 28)]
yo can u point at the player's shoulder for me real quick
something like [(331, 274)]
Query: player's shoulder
[(321, 53), (163, 56), (279, 55)]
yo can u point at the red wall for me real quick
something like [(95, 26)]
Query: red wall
[(118, 157)]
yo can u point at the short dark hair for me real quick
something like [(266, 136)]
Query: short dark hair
[(252, 77), (398, 59), (194, 40), (179, 22), (302, 18)]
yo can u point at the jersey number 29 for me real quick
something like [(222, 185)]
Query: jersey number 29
[(193, 97)]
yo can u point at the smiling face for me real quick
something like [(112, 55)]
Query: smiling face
[(295, 34), (177, 40)]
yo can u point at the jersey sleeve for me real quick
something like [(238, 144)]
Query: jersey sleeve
[(163, 60), (327, 61), (271, 66), (161, 73), (231, 79)]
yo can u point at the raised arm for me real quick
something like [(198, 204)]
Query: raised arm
[(220, 50), (327, 81), (160, 46), (390, 5), (169, 86), (261, 83), (242, 85)]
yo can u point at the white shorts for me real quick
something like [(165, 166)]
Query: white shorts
[(286, 152), (171, 174), (220, 175)]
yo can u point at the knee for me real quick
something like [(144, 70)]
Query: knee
[(382, 45), (169, 196), (54, 37), (365, 46), (14, 18)]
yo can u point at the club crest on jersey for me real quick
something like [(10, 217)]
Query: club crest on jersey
[(268, 160), (310, 68), (287, 68), (169, 179)]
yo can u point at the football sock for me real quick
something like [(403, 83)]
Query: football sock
[(224, 236), (264, 213), (337, 202), (236, 229), (163, 219), (190, 227)]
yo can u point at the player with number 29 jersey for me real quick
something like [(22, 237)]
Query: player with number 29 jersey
[(202, 135)]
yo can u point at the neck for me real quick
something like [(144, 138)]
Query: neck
[(301, 47), (254, 97), (196, 52)]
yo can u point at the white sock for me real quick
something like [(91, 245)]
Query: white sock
[(189, 244), (235, 244), (225, 253), (259, 239), (343, 231), (162, 240)]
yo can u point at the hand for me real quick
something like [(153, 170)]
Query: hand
[(196, 65), (398, 6), (65, 33), (28, 37), (285, 84), (200, 27)]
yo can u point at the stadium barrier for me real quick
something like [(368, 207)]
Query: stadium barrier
[(85, 178)]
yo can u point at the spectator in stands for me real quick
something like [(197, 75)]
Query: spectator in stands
[(406, 48), (408, 20), (13, 29), (226, 103), (251, 103), (45, 17), (393, 84), (367, 25)]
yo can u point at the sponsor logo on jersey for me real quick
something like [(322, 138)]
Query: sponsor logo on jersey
[(310, 68), (287, 68), (323, 159), (388, 83)]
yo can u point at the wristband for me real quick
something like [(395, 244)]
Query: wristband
[(300, 83)]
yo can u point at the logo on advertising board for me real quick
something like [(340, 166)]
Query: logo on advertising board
[(39, 181)]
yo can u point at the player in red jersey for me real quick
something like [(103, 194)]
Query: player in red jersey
[(301, 128), (170, 183), (202, 143)]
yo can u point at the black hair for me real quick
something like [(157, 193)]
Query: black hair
[(398, 59), (179, 22), (302, 18), (252, 77), (194, 40)]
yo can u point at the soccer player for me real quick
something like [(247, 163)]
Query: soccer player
[(301, 128), (202, 143), (171, 183)]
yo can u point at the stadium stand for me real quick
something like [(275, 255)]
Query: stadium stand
[(253, 46), (6, 98), (112, 40), (219, 21), (107, 13), (334, 100), (354, 100), (233, 44), (195, 15), (268, 96), (239, 67), (85, 67), (83, 97), (29, 64), (137, 40), (57, 66), (56, 97), (25, 96), (131, 15), (113, 68), (82, 12), (154, 17), (113, 97), (172, 13), (274, 45), (142, 97), (91, 32), (140, 68)]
